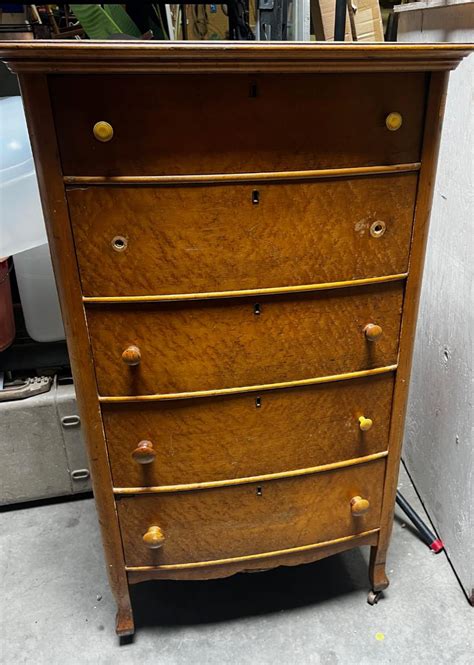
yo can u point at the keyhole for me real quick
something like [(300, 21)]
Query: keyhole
[(258, 402), (259, 491), (253, 90), (257, 310), (255, 197)]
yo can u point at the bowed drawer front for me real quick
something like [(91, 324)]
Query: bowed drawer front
[(238, 235), (167, 240), (210, 524), (220, 438), (218, 344), (235, 123)]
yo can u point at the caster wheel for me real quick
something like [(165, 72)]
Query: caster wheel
[(373, 597)]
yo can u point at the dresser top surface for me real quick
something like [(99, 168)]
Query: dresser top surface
[(58, 56)]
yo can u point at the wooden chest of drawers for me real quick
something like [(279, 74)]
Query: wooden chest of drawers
[(238, 235)]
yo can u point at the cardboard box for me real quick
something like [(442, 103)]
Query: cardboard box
[(368, 20), (207, 22)]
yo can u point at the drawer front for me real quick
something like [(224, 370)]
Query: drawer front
[(217, 344), (191, 123), (208, 439), (210, 524), (169, 240)]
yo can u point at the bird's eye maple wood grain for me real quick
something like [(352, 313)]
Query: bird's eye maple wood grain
[(208, 439), (184, 239), (223, 129), (223, 343), (219, 523)]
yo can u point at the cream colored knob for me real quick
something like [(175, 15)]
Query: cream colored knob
[(103, 131), (131, 356), (359, 506), (154, 538), (393, 121), (372, 332), (365, 423)]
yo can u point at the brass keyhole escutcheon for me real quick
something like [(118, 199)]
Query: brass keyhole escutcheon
[(377, 229), (119, 243)]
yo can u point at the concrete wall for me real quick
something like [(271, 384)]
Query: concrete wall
[(438, 449)]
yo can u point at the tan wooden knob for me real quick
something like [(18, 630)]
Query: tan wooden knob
[(131, 356), (373, 332), (365, 423), (144, 453), (154, 537), (393, 121), (103, 131), (359, 506)]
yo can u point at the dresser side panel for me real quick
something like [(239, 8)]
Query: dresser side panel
[(34, 90), (431, 141)]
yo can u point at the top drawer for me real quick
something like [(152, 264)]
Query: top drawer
[(167, 124)]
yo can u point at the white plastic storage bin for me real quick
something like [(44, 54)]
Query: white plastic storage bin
[(22, 230), (38, 295), (21, 217)]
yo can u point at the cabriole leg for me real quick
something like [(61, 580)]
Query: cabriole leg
[(124, 624), (377, 575)]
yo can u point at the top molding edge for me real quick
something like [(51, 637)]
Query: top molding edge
[(57, 56)]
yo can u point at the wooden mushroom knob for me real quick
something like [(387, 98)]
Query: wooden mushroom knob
[(393, 121), (372, 332), (131, 356), (144, 453), (154, 538), (365, 423), (359, 506), (103, 131)]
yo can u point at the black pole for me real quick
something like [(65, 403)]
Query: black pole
[(184, 21), (436, 544), (340, 21)]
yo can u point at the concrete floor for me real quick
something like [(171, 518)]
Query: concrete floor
[(57, 608)]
